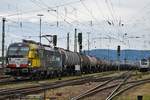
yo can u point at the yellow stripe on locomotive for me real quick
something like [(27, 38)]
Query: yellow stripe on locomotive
[(34, 56)]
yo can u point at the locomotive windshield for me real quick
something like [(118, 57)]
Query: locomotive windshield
[(18, 51), (144, 62)]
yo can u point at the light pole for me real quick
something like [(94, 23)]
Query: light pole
[(40, 15)]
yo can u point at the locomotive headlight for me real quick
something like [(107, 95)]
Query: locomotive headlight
[(6, 64), (29, 63)]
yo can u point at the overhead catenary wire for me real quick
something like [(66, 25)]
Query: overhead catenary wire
[(17, 22), (57, 16), (66, 20), (20, 37), (61, 5), (112, 20), (133, 17), (132, 30), (118, 24), (37, 10), (91, 14), (100, 10)]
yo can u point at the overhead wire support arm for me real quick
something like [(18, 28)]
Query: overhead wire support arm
[(46, 37)]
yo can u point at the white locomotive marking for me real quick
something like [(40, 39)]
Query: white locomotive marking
[(18, 61)]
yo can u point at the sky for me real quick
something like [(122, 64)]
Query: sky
[(108, 23)]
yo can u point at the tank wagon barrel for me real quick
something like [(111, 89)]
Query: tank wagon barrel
[(71, 58), (84, 60), (93, 61)]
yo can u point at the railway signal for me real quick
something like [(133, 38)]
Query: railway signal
[(75, 41), (54, 40), (118, 56), (80, 41), (118, 50), (68, 41)]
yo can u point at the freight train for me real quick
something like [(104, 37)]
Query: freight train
[(31, 59)]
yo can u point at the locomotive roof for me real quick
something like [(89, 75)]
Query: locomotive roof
[(18, 44)]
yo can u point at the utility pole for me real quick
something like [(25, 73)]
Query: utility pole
[(3, 40), (40, 15), (88, 42), (75, 41), (68, 41)]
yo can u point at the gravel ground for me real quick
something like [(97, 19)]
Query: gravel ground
[(18, 85), (67, 92)]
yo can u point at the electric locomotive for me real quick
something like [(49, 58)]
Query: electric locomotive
[(32, 59)]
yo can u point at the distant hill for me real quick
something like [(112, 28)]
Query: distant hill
[(132, 55)]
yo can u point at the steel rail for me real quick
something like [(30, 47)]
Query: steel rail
[(94, 89), (119, 86)]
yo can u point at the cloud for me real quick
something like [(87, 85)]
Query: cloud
[(87, 16)]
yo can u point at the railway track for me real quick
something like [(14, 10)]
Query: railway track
[(8, 93), (110, 89), (97, 88), (6, 80), (129, 86), (109, 97), (112, 85)]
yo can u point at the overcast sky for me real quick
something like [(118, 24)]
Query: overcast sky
[(109, 22)]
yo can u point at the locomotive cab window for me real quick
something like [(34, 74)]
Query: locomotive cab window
[(18, 51), (144, 62)]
